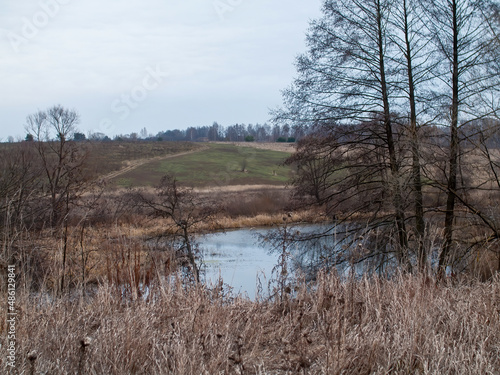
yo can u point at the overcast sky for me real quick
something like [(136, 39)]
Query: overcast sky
[(160, 64)]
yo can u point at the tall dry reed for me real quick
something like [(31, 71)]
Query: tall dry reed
[(407, 325)]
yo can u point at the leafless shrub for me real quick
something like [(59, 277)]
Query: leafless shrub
[(184, 211)]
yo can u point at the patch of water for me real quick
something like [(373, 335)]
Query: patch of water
[(237, 258), (241, 258)]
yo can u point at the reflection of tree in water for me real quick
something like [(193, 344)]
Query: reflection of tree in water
[(344, 248)]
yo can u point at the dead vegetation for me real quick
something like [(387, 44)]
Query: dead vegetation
[(371, 326), (118, 241)]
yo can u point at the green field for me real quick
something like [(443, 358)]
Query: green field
[(216, 165)]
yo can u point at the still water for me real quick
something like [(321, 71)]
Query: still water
[(244, 261), (237, 258)]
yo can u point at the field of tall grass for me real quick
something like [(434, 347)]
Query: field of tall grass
[(407, 325)]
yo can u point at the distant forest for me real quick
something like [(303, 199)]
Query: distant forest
[(215, 132), (263, 133), (275, 133)]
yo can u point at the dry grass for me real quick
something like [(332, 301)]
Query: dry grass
[(237, 189), (269, 220), (273, 146), (254, 206), (403, 326), (225, 222)]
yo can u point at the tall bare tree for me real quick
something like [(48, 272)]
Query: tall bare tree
[(62, 162), (465, 41), (61, 158), (345, 80), (377, 72), (415, 58)]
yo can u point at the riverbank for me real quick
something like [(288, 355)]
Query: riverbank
[(237, 207)]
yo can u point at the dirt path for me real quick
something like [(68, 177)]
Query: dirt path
[(133, 164)]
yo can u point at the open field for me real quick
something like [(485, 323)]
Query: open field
[(144, 163), (134, 164), (107, 157), (406, 325), (214, 165)]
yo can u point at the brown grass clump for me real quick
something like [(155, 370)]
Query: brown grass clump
[(269, 220), (407, 325), (276, 146)]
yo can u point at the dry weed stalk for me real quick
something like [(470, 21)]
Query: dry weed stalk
[(401, 326)]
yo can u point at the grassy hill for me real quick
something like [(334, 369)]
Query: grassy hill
[(213, 165), (107, 157)]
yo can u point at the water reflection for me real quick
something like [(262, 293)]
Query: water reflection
[(244, 257), (343, 248), (237, 258)]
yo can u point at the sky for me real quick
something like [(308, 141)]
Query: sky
[(160, 64)]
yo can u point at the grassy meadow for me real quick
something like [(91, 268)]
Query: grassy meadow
[(213, 165), (108, 157)]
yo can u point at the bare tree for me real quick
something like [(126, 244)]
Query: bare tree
[(375, 74), (184, 211), (62, 162), (345, 80), (314, 165), (415, 59), (465, 42), (62, 159), (19, 188)]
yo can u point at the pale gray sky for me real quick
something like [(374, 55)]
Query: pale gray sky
[(160, 64)]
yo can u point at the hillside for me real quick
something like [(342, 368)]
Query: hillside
[(211, 165)]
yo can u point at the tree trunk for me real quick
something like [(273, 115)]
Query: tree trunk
[(453, 161), (402, 254), (415, 151), (190, 254)]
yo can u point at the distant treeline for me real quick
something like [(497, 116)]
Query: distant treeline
[(214, 132), (277, 133)]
